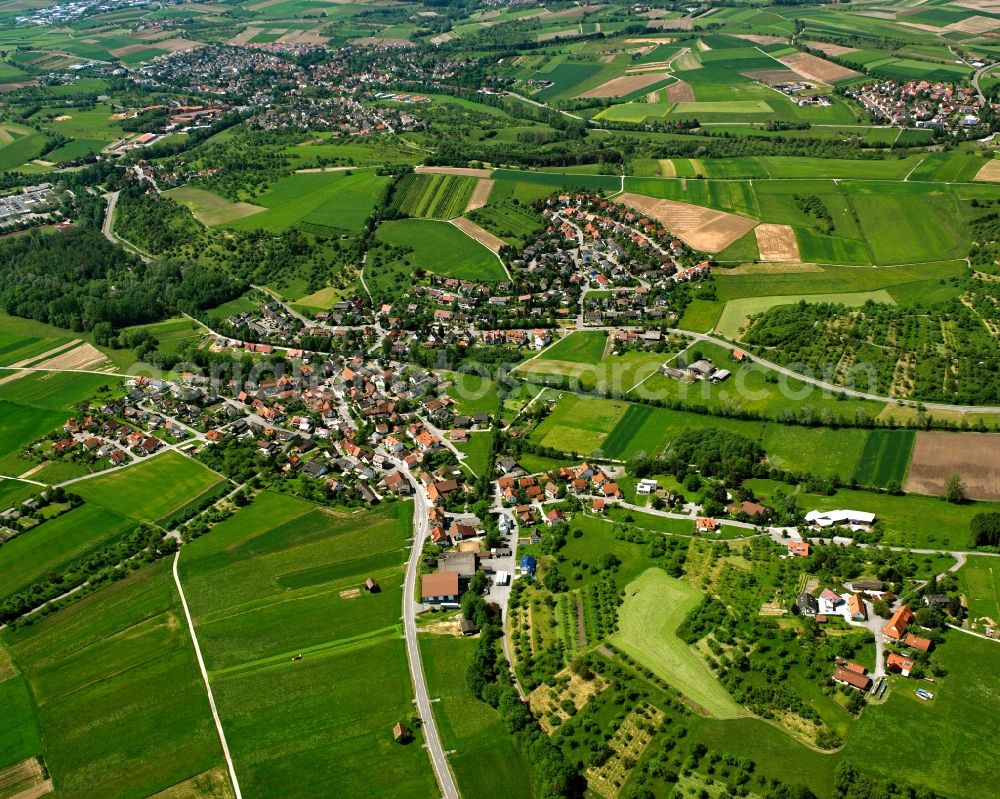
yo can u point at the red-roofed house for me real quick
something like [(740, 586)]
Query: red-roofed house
[(895, 628)]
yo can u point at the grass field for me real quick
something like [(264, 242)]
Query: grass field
[(911, 520), (212, 209), (470, 727), (616, 429), (441, 248), (51, 546), (116, 692), (979, 580), (322, 202), (477, 448), (736, 313), (885, 458), (150, 491), (583, 346), (267, 584), (655, 605)]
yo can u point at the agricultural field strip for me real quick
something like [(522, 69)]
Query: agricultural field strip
[(335, 647)]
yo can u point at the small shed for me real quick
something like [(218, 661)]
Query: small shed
[(469, 627), (399, 733), (371, 586)]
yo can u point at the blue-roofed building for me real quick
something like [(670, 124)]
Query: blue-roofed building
[(529, 564)]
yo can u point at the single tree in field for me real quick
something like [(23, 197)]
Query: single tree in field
[(955, 490)]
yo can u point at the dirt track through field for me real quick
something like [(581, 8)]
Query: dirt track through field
[(975, 457), (480, 194), (454, 170), (702, 228), (484, 237), (777, 243)]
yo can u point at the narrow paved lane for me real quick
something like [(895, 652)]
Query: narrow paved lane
[(410, 608)]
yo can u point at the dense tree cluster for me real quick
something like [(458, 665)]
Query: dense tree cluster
[(77, 279), (714, 452)]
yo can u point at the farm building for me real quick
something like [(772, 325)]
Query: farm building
[(853, 675), (918, 642), (440, 588), (895, 628)]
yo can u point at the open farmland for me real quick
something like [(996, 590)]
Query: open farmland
[(885, 458), (211, 209), (56, 546), (736, 314), (615, 429), (114, 682), (161, 486), (975, 457), (277, 579), (469, 726), (433, 196), (701, 228), (655, 605), (442, 248), (317, 201), (777, 243)]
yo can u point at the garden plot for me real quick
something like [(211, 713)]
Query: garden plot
[(627, 746), (815, 68), (975, 457), (777, 243), (701, 228), (548, 700)]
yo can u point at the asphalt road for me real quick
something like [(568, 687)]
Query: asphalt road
[(410, 608)]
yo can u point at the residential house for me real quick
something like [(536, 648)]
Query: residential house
[(895, 628)]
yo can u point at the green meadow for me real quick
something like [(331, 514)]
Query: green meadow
[(438, 247), (115, 692), (655, 606), (316, 201), (157, 487), (283, 577)]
